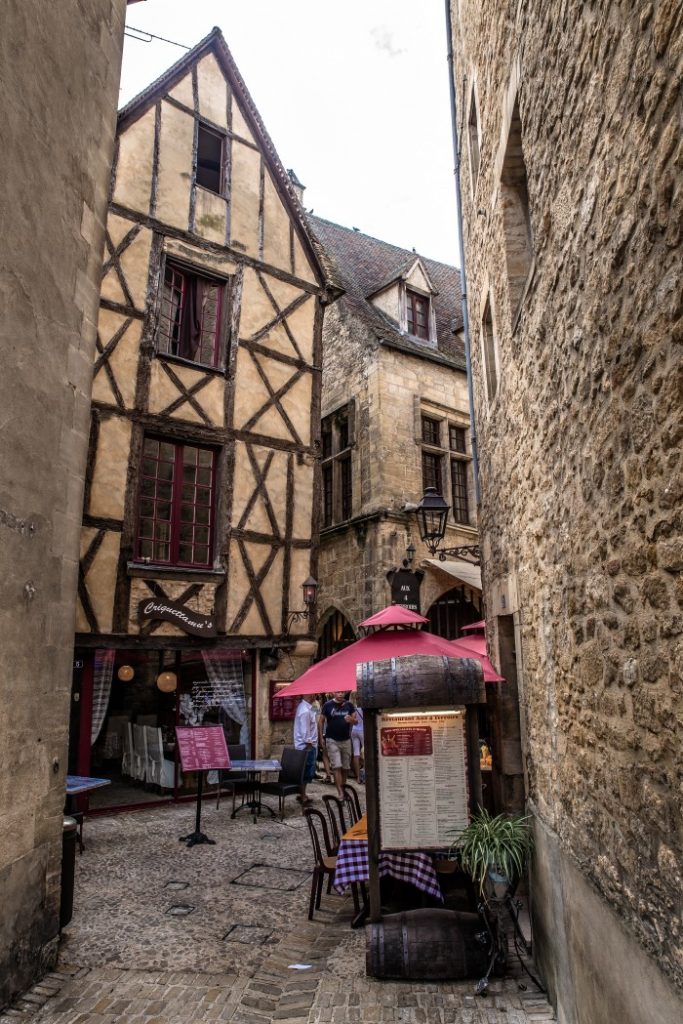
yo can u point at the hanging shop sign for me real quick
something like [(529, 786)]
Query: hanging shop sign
[(179, 614), (422, 777), (405, 588)]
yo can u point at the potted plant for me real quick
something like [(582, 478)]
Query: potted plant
[(493, 851)]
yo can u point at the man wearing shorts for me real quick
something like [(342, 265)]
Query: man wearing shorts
[(339, 716)]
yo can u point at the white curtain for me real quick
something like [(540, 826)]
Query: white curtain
[(101, 689), (225, 673)]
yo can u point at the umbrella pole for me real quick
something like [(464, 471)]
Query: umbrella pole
[(372, 800)]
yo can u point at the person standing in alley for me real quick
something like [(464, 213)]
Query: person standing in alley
[(306, 738), (339, 716)]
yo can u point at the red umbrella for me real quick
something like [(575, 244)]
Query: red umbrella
[(338, 672), (394, 615), (475, 647), (475, 625)]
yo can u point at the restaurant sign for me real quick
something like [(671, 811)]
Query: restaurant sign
[(405, 587), (179, 614)]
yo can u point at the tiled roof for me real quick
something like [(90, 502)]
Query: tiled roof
[(364, 264)]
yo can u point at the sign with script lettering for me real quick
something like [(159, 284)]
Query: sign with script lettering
[(179, 614)]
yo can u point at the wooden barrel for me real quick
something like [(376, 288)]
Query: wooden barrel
[(420, 680), (427, 945)]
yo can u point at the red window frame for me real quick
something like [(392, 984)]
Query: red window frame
[(176, 504), (417, 314), (175, 289)]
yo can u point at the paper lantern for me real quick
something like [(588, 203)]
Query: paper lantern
[(126, 673), (167, 681)]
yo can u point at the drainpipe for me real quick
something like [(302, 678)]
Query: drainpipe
[(461, 248)]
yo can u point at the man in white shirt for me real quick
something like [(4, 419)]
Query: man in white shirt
[(306, 738)]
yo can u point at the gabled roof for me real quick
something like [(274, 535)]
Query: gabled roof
[(402, 274), (366, 266), (215, 43)]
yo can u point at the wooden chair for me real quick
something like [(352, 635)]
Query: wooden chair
[(353, 800), (338, 815), (290, 779), (325, 860)]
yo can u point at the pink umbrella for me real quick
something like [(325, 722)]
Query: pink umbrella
[(475, 626), (338, 672), (475, 647), (394, 615)]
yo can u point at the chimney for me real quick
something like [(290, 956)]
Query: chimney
[(298, 187)]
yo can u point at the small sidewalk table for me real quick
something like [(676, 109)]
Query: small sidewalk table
[(412, 866), (254, 769), (75, 786)]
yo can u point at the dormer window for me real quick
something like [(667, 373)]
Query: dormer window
[(417, 314)]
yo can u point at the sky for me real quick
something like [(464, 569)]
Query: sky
[(354, 96)]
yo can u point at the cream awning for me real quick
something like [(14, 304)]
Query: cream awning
[(460, 570)]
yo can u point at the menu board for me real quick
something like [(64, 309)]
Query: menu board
[(202, 748), (282, 709), (422, 777)]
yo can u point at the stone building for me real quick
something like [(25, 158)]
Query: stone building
[(199, 521), (570, 170), (394, 421), (59, 72)]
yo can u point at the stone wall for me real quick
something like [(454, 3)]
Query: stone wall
[(389, 388), (59, 74), (580, 456)]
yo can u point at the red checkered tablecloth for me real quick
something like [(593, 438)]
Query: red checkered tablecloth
[(407, 866)]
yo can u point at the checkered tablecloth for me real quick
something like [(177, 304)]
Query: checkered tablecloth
[(407, 866)]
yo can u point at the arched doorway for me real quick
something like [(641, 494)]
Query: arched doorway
[(336, 632), (458, 607)]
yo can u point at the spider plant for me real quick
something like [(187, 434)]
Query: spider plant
[(498, 845)]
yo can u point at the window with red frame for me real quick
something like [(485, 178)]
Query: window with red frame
[(189, 320), (176, 501), (417, 310)]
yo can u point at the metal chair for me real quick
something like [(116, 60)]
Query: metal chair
[(235, 782), (352, 799), (290, 779)]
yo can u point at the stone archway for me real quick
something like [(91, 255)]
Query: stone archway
[(334, 632), (457, 607)]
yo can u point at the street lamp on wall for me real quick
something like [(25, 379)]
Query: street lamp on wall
[(432, 517), (310, 589)]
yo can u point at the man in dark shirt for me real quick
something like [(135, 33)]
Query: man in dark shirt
[(339, 716)]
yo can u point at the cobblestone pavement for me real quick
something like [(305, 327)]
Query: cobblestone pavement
[(163, 934)]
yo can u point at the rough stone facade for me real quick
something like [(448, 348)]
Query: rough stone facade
[(569, 118), (388, 381), (59, 74)]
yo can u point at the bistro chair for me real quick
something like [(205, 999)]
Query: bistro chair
[(352, 799), (139, 753), (235, 782), (128, 756), (338, 815), (291, 777), (160, 770), (325, 861)]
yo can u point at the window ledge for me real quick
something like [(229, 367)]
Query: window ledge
[(150, 571), (168, 357)]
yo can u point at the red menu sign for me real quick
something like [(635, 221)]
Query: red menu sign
[(415, 741), (202, 748), (282, 709)]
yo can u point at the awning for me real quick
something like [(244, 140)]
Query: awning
[(459, 569)]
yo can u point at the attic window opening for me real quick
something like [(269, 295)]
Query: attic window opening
[(209, 159), (417, 314), (473, 136)]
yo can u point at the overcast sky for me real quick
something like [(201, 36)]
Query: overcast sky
[(354, 95)]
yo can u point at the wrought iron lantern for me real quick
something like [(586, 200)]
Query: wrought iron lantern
[(310, 589), (432, 514)]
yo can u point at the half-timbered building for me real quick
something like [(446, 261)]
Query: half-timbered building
[(200, 517)]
